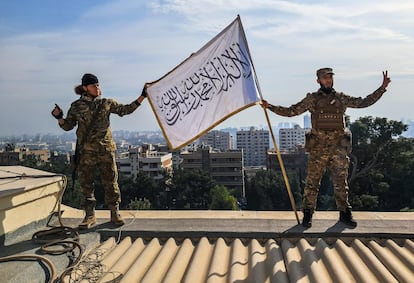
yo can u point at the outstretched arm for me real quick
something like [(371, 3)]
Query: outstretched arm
[(143, 94), (358, 102), (67, 123), (126, 109), (293, 110)]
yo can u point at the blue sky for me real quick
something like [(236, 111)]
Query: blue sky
[(46, 46)]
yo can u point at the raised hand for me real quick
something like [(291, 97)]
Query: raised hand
[(386, 80), (57, 112), (265, 104)]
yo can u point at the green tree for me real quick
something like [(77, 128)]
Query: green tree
[(31, 161), (143, 186), (372, 139), (381, 172), (72, 196), (190, 189), (222, 199), (139, 204), (326, 198), (267, 191)]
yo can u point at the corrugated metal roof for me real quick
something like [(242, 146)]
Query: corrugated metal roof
[(248, 260)]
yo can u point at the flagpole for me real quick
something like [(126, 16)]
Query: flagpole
[(282, 167), (279, 157)]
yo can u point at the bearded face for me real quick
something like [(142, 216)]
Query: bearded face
[(326, 83)]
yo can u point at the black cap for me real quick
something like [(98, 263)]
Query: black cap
[(89, 79)]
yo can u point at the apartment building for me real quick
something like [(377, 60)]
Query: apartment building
[(254, 143), (225, 167), (219, 140), (144, 159), (12, 156), (290, 138), (293, 161)]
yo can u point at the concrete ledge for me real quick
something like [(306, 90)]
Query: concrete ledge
[(245, 224), (26, 196), (70, 212)]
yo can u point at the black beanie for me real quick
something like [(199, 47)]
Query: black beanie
[(89, 79)]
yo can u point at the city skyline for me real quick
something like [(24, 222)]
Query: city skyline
[(46, 46), (280, 125)]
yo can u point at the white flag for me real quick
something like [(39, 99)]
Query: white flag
[(208, 87)]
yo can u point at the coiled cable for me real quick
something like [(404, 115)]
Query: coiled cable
[(53, 237)]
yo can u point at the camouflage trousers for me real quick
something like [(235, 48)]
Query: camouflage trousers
[(332, 156), (89, 164)]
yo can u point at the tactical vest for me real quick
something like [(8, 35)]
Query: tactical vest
[(329, 114)]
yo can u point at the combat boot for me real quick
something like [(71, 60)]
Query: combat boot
[(307, 218), (89, 219), (116, 217), (346, 218)]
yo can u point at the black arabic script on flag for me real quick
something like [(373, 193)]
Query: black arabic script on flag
[(213, 78)]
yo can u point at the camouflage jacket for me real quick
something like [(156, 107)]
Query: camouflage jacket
[(327, 107), (95, 135)]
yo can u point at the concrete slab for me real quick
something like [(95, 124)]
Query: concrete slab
[(247, 224)]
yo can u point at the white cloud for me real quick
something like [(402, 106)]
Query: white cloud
[(130, 42)]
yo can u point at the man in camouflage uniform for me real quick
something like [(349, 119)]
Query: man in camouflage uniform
[(329, 142), (91, 114)]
